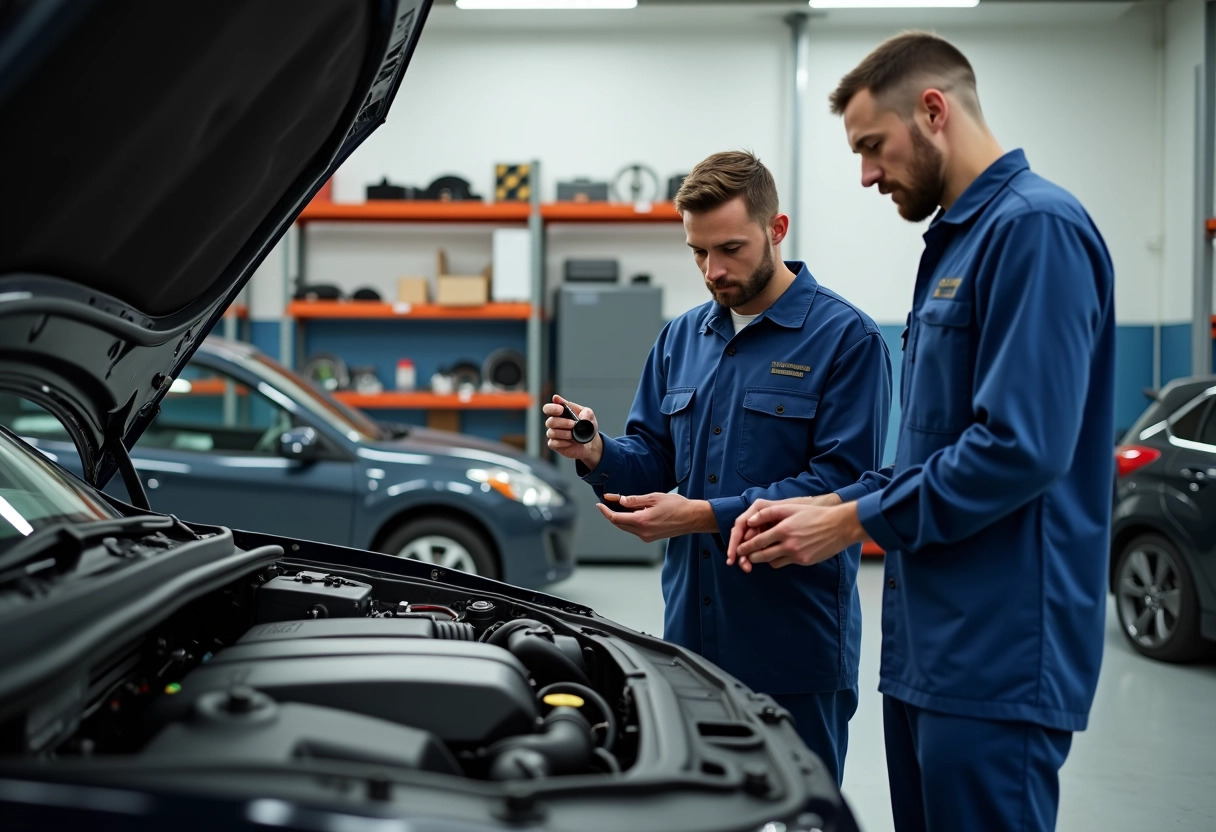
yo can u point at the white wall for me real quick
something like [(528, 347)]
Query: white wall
[(1080, 99), (1075, 84), (1184, 51)]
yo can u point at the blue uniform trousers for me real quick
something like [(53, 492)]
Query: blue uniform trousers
[(822, 720), (959, 774)]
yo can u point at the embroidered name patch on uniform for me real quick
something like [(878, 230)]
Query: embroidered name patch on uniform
[(780, 368), (947, 287)]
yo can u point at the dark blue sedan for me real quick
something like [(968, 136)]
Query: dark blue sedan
[(243, 442)]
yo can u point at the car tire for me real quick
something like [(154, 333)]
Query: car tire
[(443, 542), (1155, 600)]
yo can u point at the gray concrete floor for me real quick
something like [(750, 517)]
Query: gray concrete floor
[(1148, 760)]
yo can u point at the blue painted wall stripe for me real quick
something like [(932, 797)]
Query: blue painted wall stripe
[(434, 344)]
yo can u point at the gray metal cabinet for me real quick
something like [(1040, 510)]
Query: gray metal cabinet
[(604, 333)]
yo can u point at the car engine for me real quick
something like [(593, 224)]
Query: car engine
[(358, 680)]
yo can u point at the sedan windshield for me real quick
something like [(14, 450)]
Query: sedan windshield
[(36, 493), (356, 426)]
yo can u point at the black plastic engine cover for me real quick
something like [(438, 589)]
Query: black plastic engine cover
[(246, 729), (463, 692)]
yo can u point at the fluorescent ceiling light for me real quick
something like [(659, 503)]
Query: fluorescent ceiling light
[(546, 4), (892, 4)]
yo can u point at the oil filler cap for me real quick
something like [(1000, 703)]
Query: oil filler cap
[(563, 700)]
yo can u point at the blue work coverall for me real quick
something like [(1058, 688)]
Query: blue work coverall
[(795, 404), (996, 517)]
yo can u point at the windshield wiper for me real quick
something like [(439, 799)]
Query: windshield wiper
[(61, 544)]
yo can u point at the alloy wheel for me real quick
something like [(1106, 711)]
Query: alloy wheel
[(1149, 595), (440, 551)]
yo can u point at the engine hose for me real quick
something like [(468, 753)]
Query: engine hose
[(591, 695), (565, 746), (535, 645)]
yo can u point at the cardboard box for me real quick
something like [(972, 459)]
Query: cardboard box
[(462, 290), (459, 289), (412, 290)]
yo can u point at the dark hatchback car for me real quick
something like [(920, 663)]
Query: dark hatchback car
[(1163, 541), (241, 440), (160, 673)]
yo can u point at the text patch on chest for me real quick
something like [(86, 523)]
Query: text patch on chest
[(947, 287), (781, 368)]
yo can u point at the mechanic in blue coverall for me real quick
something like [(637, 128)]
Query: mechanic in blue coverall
[(996, 514), (776, 387)]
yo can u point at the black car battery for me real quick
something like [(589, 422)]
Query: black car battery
[(311, 595)]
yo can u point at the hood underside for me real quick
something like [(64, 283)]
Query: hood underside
[(154, 153)]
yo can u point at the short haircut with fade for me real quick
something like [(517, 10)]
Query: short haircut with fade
[(721, 177), (903, 67)]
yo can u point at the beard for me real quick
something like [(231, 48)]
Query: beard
[(750, 288), (923, 193)]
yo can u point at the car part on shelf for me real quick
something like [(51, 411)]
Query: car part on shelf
[(674, 183), (318, 291), (635, 183), (582, 190), (591, 270), (504, 369), (327, 371), (364, 380), (450, 189), (385, 190)]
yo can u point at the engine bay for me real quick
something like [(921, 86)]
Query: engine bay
[(358, 679)]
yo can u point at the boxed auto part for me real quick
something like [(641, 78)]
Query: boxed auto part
[(412, 290), (458, 289)]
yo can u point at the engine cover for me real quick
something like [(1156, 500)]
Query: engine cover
[(462, 692)]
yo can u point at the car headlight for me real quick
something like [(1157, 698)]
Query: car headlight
[(521, 487)]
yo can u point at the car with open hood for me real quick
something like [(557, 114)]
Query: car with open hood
[(157, 672)]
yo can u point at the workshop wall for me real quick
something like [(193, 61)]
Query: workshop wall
[(1100, 105)]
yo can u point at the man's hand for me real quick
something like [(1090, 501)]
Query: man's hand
[(744, 530), (792, 533), (658, 516), (557, 429)]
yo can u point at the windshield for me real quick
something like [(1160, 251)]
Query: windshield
[(36, 493), (356, 426)]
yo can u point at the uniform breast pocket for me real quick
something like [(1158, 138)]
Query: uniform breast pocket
[(775, 433), (677, 407), (939, 399)]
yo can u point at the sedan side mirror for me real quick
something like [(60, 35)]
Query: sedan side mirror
[(300, 443)]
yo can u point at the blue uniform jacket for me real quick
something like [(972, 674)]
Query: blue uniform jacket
[(794, 404), (997, 517)]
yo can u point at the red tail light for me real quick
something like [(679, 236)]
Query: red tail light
[(1130, 458)]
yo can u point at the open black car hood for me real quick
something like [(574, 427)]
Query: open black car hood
[(154, 153)]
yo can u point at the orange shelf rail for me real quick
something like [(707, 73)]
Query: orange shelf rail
[(387, 210), (608, 212), (322, 309), (435, 401), (871, 548)]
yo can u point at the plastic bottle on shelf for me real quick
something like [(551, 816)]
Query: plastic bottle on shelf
[(407, 378)]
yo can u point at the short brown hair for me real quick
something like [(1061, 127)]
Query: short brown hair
[(721, 177), (902, 67)]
